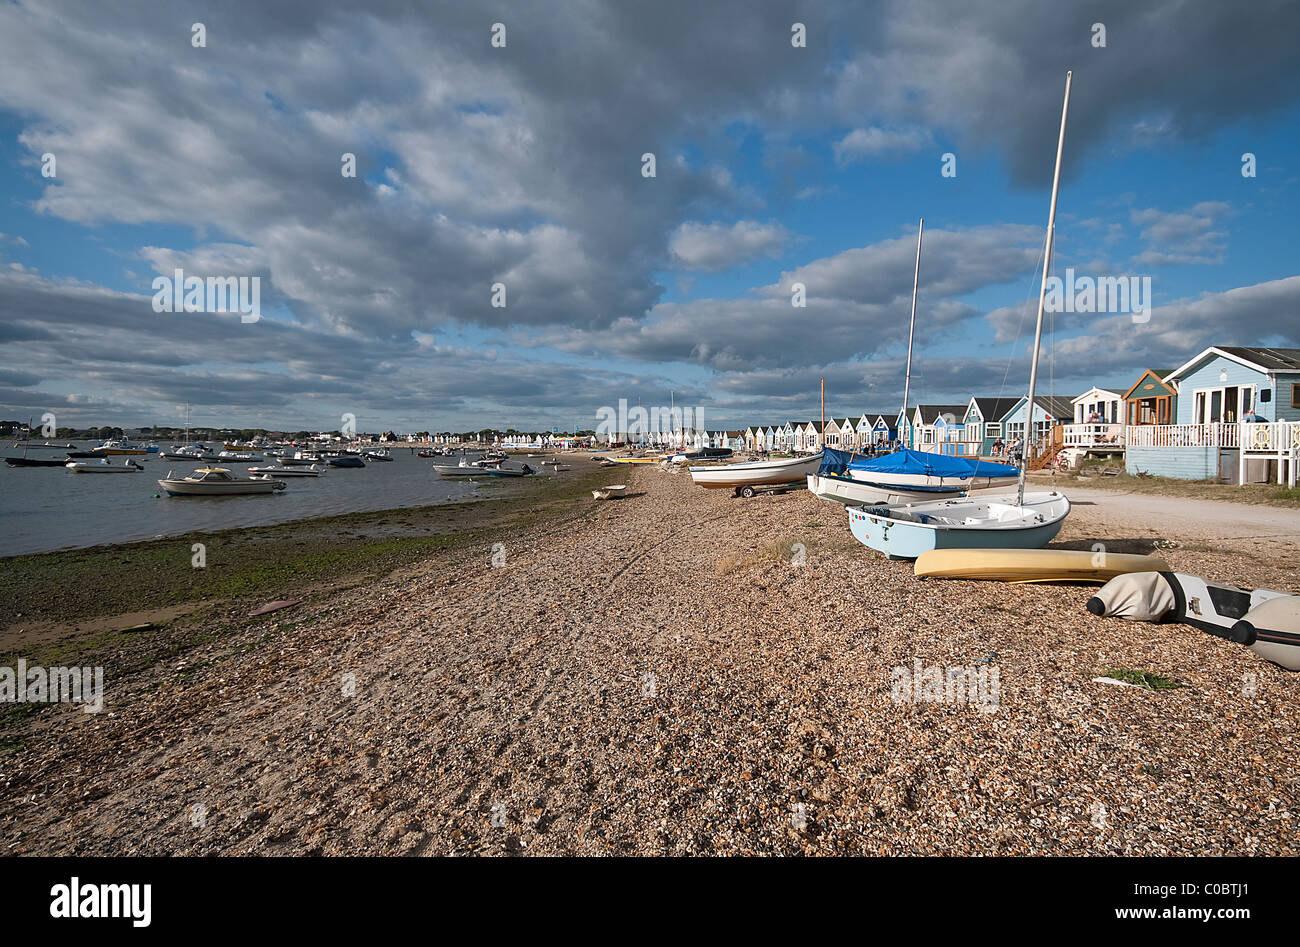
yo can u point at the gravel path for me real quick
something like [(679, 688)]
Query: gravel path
[(657, 675)]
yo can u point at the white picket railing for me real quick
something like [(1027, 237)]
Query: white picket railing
[(1094, 435), (1271, 436)]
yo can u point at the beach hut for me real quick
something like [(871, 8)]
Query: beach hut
[(983, 423), (1151, 399), (1051, 413), (936, 424), (1217, 389)]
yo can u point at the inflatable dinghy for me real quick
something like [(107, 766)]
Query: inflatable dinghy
[(1265, 621), (1033, 565)]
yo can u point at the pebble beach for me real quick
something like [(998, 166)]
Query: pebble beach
[(683, 672)]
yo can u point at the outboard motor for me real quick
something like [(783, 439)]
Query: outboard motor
[(1265, 621)]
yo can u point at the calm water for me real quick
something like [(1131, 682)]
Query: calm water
[(47, 508)]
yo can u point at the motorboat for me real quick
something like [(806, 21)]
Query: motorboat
[(315, 470), (116, 447), (301, 458), (378, 453), (756, 472), (905, 530), (218, 481), (465, 468), (237, 456), (104, 466), (346, 460), (502, 471)]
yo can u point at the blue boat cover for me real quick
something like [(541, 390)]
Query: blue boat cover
[(914, 462)]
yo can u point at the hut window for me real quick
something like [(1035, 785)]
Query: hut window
[(1295, 396)]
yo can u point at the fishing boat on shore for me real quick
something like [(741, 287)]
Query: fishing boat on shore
[(218, 481), (103, 466), (610, 492), (503, 471), (1012, 521), (755, 472)]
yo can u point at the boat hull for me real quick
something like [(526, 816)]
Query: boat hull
[(852, 492), (907, 531), (755, 473), (34, 462), (180, 488), (1033, 565)]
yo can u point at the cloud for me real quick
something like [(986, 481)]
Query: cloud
[(880, 142), (1182, 237), (716, 246)]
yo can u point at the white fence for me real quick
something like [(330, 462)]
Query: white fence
[(1094, 435), (1270, 437), (1183, 435)]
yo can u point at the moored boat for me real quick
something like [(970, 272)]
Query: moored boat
[(103, 466), (346, 460), (34, 462), (315, 470), (218, 481)]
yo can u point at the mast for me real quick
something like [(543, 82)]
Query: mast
[(821, 436), (29, 437), (1042, 297), (911, 328)]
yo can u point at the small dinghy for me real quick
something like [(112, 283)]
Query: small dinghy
[(103, 467), (609, 493), (905, 531), (1265, 621)]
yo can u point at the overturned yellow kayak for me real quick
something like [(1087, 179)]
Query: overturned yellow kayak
[(1034, 565)]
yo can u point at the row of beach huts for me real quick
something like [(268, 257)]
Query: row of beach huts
[(1230, 413)]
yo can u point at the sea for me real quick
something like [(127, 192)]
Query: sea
[(43, 509)]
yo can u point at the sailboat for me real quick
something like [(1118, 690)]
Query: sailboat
[(904, 474), (1012, 521)]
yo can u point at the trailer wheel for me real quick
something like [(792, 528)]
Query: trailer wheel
[(747, 492)]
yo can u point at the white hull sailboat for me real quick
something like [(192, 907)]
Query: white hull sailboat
[(1017, 521)]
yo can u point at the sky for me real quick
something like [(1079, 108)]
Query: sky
[(499, 152)]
